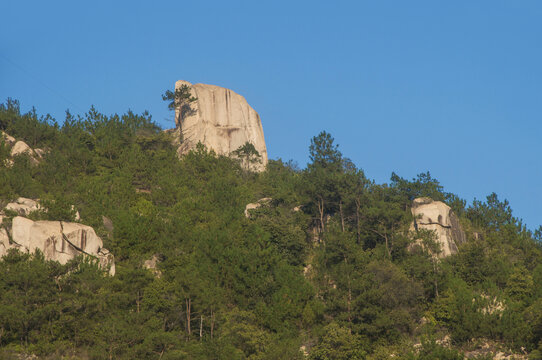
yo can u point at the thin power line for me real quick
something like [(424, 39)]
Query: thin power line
[(42, 83)]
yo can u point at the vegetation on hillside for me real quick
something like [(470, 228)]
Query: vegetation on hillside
[(321, 272)]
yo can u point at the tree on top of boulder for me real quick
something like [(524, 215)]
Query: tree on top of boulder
[(180, 100)]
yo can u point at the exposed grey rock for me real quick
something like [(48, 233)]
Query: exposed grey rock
[(39, 152), (220, 119), (107, 260), (152, 265), (10, 140), (4, 240), (21, 148), (108, 224), (256, 205), (76, 216), (438, 217), (23, 206), (57, 240)]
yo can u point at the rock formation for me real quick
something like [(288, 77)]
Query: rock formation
[(439, 217), (19, 148), (57, 240), (108, 225), (8, 139), (23, 206), (152, 265), (256, 205), (220, 119)]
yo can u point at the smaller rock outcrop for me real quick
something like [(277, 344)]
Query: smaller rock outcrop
[(438, 217), (10, 140), (108, 224), (23, 206), (256, 205), (490, 349), (57, 240), (39, 152), (19, 148), (152, 265)]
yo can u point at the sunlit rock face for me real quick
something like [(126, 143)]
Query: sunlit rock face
[(19, 148), (256, 205), (220, 119), (439, 217), (57, 240), (23, 206)]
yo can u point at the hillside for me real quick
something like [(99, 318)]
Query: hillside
[(325, 264)]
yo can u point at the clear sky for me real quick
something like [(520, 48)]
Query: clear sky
[(453, 88)]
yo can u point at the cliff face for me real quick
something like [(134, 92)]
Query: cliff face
[(220, 119), (439, 217)]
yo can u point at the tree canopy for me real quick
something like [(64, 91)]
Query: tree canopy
[(325, 270), (180, 101)]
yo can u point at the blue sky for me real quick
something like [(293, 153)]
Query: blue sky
[(453, 88)]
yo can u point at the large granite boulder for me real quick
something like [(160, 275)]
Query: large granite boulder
[(18, 148), (57, 240), (438, 217), (220, 119)]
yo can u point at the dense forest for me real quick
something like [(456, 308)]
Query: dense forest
[(323, 270)]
